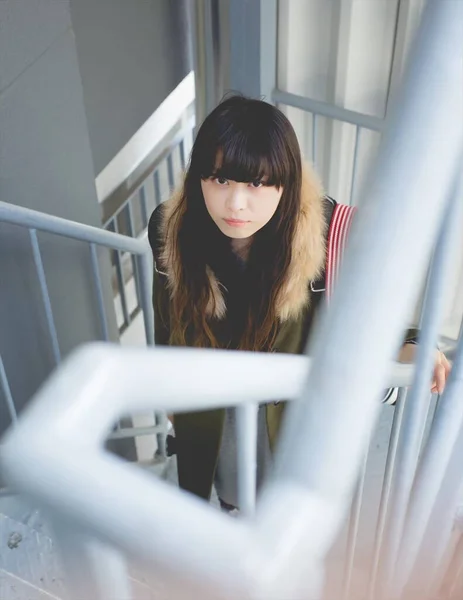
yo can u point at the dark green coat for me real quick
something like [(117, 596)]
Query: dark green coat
[(198, 434)]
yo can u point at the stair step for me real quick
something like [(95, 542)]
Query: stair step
[(28, 561)]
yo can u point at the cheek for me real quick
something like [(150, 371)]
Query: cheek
[(210, 198), (269, 203)]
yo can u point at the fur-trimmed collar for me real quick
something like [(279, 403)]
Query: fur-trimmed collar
[(308, 252)]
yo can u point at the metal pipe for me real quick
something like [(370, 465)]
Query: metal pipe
[(431, 559), (121, 288), (146, 379), (207, 53), (132, 432), (323, 441), (385, 492), (181, 147), (420, 531), (32, 219), (417, 408), (143, 206), (99, 292), (45, 296), (170, 172), (160, 418), (7, 393), (120, 280), (330, 111), (358, 132), (157, 188), (131, 231), (246, 433), (145, 268), (314, 139), (352, 533)]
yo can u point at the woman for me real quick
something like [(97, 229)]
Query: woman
[(239, 257)]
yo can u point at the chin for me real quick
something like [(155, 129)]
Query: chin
[(238, 234)]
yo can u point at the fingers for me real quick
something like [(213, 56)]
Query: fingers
[(441, 373), (439, 378), (447, 366)]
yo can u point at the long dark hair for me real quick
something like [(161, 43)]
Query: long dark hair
[(253, 140)]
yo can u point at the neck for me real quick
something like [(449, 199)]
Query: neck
[(241, 247)]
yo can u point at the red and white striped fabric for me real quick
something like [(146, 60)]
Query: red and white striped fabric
[(338, 232), (340, 225)]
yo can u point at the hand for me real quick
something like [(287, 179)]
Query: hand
[(442, 370), (442, 367)]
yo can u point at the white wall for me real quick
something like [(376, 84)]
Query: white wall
[(132, 54)]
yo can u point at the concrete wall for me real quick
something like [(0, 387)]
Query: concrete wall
[(46, 165), (131, 56)]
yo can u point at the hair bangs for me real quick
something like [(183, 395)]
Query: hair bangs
[(244, 159)]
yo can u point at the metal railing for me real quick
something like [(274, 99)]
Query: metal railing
[(132, 216), (280, 549), (137, 248), (336, 114)]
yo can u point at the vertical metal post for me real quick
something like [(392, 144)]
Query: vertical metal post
[(253, 47), (181, 148), (314, 140), (7, 394), (99, 292), (207, 52), (246, 432), (45, 296), (352, 533), (386, 491), (160, 420), (331, 439), (120, 277), (444, 442), (131, 232), (145, 266), (157, 188), (170, 172), (418, 403), (358, 131), (143, 206)]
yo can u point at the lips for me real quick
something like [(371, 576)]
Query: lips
[(235, 222)]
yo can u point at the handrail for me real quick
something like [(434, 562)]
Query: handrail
[(77, 416), (32, 219), (323, 109), (139, 372)]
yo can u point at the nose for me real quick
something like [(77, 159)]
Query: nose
[(237, 198)]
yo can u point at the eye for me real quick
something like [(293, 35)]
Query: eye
[(221, 180), (256, 184)]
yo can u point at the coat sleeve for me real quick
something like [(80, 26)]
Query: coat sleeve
[(161, 298)]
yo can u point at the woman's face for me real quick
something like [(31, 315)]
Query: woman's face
[(240, 209)]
